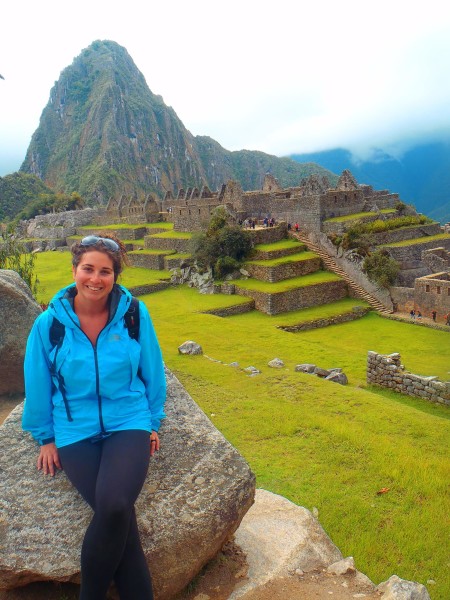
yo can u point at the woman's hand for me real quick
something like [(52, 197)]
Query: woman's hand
[(48, 459), (154, 443)]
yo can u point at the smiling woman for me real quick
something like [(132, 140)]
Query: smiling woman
[(95, 394)]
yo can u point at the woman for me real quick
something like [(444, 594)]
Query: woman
[(94, 402)]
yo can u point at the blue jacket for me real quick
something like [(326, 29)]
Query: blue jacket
[(119, 384)]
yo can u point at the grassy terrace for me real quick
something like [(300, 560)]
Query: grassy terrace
[(284, 259), (384, 211), (173, 235), (317, 443), (422, 240), (304, 315), (288, 284), (281, 245)]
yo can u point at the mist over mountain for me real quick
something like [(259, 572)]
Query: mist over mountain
[(421, 176), (103, 133)]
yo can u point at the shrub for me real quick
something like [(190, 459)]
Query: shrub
[(380, 268), (223, 247), (13, 256)]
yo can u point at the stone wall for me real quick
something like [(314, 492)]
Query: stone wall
[(237, 309), (283, 271), (147, 261), (59, 225), (414, 251), (402, 299), (180, 245), (386, 370), (304, 297), (273, 254), (268, 235), (356, 313)]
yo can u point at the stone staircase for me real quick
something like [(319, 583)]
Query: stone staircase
[(331, 264)]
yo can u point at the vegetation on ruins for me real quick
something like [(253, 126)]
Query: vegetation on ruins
[(222, 247), (50, 203), (381, 268), (13, 256)]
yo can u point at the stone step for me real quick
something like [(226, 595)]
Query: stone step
[(333, 266)]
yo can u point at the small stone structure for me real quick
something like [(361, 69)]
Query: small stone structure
[(386, 370)]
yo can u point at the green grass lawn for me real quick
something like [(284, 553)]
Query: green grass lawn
[(318, 443), (162, 225), (281, 245), (321, 444), (423, 240), (357, 216)]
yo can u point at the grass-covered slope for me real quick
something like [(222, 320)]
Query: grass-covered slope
[(318, 443)]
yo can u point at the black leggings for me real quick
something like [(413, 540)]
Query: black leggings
[(109, 474)]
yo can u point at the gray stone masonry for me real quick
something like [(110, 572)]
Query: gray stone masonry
[(302, 297), (158, 243), (387, 371), (283, 271), (148, 261), (274, 254)]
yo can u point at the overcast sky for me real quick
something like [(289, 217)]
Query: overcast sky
[(282, 76)]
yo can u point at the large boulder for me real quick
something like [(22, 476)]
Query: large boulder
[(18, 310), (279, 538), (197, 491)]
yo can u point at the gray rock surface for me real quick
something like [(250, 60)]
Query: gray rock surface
[(276, 363), (279, 538), (18, 310), (400, 589), (196, 493), (190, 347)]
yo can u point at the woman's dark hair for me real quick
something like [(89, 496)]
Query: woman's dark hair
[(119, 257)]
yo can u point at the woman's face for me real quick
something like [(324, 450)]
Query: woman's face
[(94, 276)]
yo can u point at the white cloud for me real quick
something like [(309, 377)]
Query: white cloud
[(284, 77)]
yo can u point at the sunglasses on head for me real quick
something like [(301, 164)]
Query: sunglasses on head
[(91, 240)]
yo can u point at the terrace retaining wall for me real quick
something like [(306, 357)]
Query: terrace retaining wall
[(283, 271), (387, 371)]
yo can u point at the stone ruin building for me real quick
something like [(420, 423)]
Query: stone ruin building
[(424, 280)]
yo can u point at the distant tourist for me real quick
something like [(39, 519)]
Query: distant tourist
[(433, 315), (296, 227), (412, 314), (419, 315), (447, 319)]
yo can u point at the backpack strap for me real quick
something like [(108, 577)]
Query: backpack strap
[(132, 319), (56, 334)]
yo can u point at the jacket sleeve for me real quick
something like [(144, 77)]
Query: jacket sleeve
[(37, 414), (152, 367)]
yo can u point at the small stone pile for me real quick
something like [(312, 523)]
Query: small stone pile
[(386, 370)]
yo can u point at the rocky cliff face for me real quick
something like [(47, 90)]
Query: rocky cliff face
[(104, 133)]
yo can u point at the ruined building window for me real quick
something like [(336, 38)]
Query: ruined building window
[(448, 291), (438, 289), (427, 288)]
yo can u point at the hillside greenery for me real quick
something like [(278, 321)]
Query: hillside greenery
[(104, 133), (17, 191)]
